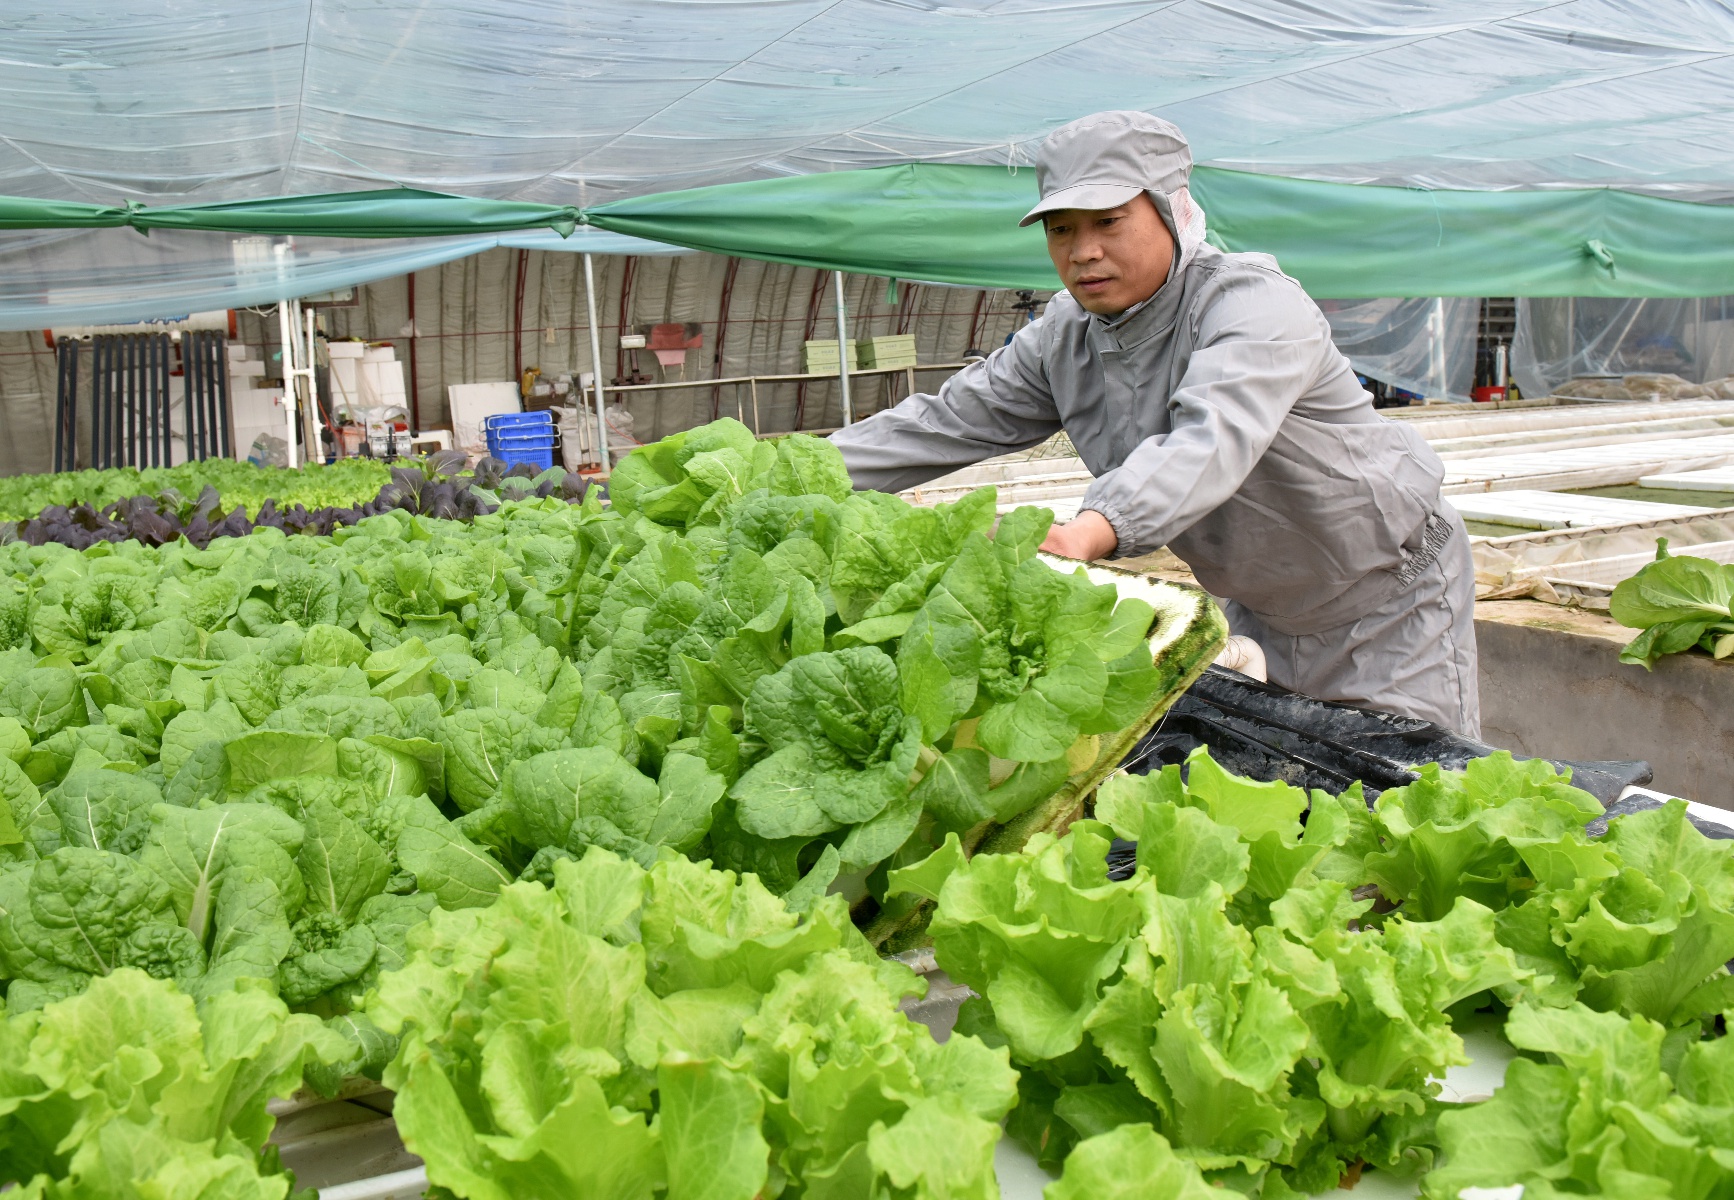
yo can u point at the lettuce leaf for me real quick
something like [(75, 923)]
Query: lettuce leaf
[(630, 1029)]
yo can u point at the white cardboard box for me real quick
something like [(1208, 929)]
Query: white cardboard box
[(336, 350), (470, 402)]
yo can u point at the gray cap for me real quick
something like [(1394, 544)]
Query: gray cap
[(1104, 160)]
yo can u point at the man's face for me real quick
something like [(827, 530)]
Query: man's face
[(1110, 258)]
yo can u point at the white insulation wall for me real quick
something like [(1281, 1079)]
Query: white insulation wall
[(464, 325)]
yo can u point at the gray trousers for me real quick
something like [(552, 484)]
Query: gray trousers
[(1414, 655)]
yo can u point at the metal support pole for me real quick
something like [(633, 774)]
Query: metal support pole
[(1570, 335), (757, 428), (1436, 328), (596, 364), (843, 350)]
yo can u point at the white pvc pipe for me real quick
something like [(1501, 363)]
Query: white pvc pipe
[(399, 1185), (843, 350), (311, 421), (287, 331), (596, 364)]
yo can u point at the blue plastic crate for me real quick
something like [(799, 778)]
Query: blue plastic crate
[(542, 457), (518, 423), (498, 442)]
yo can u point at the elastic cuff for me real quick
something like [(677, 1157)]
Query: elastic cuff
[(1117, 521)]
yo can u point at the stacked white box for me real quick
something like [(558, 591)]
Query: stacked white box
[(379, 379), (255, 411), (346, 360)]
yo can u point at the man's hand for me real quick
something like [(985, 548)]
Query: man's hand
[(1088, 538)]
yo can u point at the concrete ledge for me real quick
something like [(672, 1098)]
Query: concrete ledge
[(1552, 685)]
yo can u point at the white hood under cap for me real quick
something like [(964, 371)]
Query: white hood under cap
[(1185, 220)]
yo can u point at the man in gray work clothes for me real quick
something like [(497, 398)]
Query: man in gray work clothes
[(1203, 391)]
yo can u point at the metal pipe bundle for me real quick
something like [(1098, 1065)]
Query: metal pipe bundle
[(132, 400), (102, 414), (193, 364), (207, 395), (66, 405), (165, 400)]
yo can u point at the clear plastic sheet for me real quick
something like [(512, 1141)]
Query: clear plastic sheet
[(585, 102), (1420, 345), (1561, 340), (1533, 564), (54, 278), (570, 103)]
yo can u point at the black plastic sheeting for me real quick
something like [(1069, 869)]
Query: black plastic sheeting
[(1266, 732)]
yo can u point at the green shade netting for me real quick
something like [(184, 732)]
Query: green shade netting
[(392, 212), (958, 224)]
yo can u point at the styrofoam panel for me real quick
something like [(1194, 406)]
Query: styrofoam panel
[(256, 404), (1715, 479), (1558, 510), (1587, 466)]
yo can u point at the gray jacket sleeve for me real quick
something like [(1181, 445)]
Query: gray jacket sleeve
[(1257, 349), (995, 406)]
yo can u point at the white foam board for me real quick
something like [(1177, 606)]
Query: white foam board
[(256, 405), (1716, 479), (1528, 509), (1585, 466)]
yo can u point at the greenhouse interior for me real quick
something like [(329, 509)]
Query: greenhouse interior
[(861, 600)]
